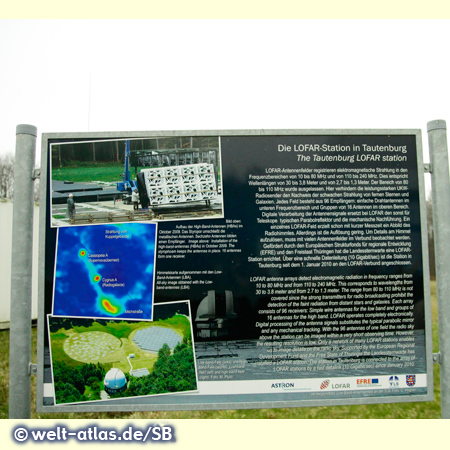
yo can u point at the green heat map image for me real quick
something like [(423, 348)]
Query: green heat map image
[(105, 271)]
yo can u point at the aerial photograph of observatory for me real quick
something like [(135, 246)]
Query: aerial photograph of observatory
[(96, 359)]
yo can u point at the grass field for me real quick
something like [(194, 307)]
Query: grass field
[(108, 173), (414, 410), (100, 172)]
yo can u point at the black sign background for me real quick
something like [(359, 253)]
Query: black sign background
[(257, 155)]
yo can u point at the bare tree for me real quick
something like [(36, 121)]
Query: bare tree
[(6, 175)]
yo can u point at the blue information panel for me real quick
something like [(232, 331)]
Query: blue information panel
[(266, 269), (113, 264)]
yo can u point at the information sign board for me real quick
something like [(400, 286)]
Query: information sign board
[(233, 269)]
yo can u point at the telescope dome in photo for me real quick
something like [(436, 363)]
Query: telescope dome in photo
[(115, 381)]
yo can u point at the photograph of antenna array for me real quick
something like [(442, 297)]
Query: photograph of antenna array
[(179, 184), (153, 338)]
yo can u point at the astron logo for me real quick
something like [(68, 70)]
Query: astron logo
[(282, 385)]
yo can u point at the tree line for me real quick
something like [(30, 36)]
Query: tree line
[(172, 372), (7, 178), (113, 151), (71, 383)]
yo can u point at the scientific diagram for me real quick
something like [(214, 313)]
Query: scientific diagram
[(105, 271)]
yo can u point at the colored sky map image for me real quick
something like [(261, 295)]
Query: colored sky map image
[(105, 271)]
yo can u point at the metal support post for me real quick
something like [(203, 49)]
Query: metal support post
[(437, 141), (21, 273)]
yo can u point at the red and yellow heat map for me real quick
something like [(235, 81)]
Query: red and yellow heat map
[(109, 307), (107, 304)]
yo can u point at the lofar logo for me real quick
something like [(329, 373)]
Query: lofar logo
[(393, 381), (325, 384), (410, 380), (340, 386)]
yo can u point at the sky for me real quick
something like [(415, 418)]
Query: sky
[(138, 75)]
